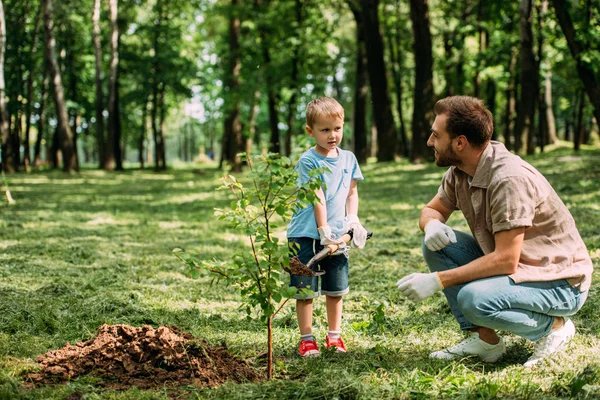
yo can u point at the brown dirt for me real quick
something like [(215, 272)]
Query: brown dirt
[(124, 356), (297, 268)]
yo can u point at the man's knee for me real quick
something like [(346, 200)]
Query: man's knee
[(472, 301)]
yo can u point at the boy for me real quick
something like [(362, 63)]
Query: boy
[(313, 227)]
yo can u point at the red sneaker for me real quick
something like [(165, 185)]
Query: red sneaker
[(339, 345), (309, 348)]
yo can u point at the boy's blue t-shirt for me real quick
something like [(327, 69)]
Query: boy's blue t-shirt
[(342, 170)]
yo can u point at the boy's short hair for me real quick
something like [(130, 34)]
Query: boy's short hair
[(323, 106), (467, 116)]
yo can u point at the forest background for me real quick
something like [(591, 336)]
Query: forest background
[(150, 101), (147, 82)]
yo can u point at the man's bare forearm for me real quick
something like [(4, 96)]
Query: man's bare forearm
[(428, 214)]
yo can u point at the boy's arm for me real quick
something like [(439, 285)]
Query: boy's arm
[(352, 199), (320, 209)]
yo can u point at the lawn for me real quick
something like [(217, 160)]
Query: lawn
[(83, 250)]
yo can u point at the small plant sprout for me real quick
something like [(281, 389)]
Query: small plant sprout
[(257, 272)]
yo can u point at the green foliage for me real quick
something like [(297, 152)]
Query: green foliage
[(273, 196)]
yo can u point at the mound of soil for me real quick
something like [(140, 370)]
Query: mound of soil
[(124, 356), (297, 268)]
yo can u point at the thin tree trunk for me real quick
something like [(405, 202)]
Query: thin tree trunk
[(397, 71), (253, 135), (98, 69), (294, 78), (161, 133), (37, 151), (111, 147), (578, 134), (232, 128), (143, 135), (382, 110), (65, 135), (542, 8), (359, 115), (7, 150), (423, 92), (552, 137), (590, 80), (28, 109), (524, 126)]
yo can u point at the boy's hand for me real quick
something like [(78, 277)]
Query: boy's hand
[(438, 235), (359, 236), (417, 287), (328, 238)]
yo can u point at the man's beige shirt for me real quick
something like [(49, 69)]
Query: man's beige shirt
[(507, 193)]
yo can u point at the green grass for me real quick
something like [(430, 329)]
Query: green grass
[(80, 251)]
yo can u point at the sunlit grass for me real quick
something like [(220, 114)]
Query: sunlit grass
[(82, 250)]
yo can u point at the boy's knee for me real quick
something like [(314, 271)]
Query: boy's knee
[(304, 302)]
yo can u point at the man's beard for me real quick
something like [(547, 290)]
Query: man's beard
[(448, 158)]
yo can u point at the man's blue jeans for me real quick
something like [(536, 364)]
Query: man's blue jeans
[(525, 309)]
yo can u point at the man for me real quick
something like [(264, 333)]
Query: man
[(525, 270)]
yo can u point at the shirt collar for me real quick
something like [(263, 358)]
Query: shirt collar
[(483, 173)]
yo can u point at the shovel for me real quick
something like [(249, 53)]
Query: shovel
[(299, 269)]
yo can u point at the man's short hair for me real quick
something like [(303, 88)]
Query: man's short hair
[(467, 116), (323, 106)]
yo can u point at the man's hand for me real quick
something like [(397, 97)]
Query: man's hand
[(359, 235), (438, 235), (328, 238), (417, 287)]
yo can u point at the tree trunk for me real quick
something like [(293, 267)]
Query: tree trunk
[(552, 137), (274, 145), (524, 126), (542, 8), (294, 78), (232, 129), (578, 134), (112, 147), (37, 151), (161, 133), (589, 78), (510, 105), (7, 150), (28, 109), (143, 135), (65, 135), (99, 94), (359, 114), (397, 65), (423, 92), (382, 109)]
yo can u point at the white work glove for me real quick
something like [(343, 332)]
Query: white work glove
[(417, 287), (328, 238), (359, 233), (438, 235)]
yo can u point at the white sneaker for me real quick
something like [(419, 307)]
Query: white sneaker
[(551, 343), (472, 346)]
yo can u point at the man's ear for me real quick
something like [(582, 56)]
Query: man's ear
[(461, 142)]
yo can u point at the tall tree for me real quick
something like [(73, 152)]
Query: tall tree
[(65, 135), (298, 11), (524, 125), (232, 129), (423, 91), (98, 75), (589, 77), (113, 147), (359, 113), (382, 106), (7, 162), (7, 151)]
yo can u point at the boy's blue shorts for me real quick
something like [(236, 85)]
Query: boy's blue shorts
[(335, 281)]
